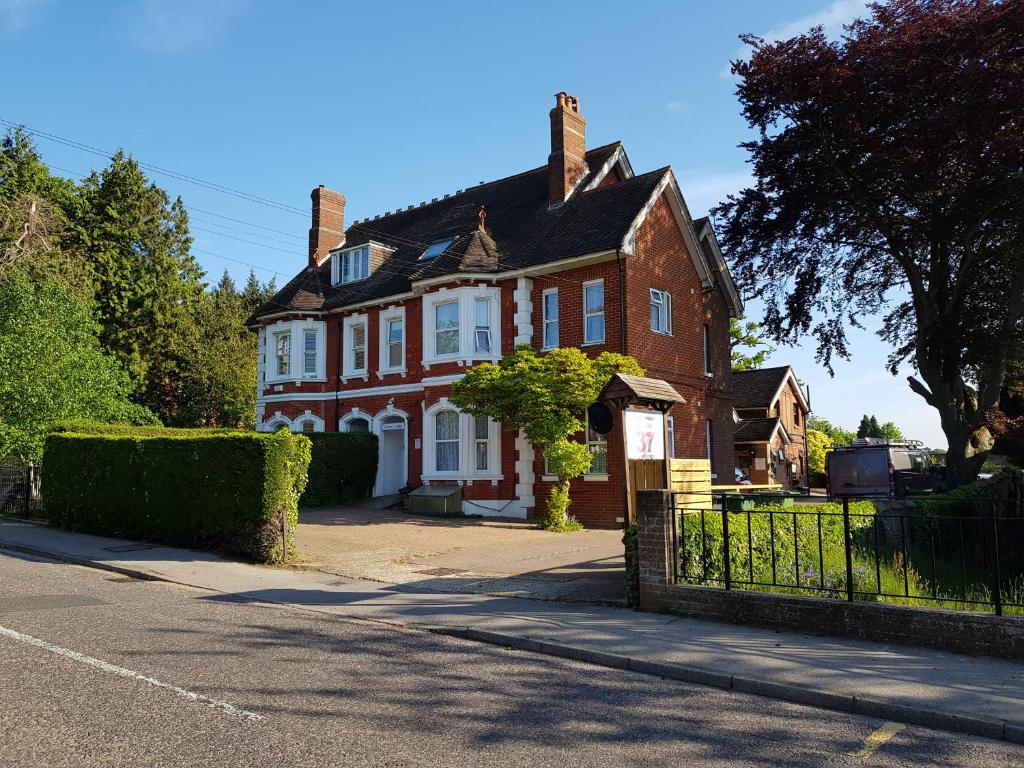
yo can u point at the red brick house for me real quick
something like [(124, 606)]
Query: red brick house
[(771, 431), (579, 251)]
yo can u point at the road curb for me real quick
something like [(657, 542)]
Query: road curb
[(992, 728)]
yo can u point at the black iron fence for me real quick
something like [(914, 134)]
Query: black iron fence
[(962, 553), (15, 490)]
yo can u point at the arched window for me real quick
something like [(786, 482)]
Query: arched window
[(446, 441), (308, 427), (357, 424)]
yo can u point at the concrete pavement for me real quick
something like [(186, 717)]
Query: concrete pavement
[(101, 669), (981, 696)]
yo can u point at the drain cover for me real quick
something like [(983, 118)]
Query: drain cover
[(442, 572)]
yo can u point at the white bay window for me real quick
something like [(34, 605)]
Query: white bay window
[(458, 446), (295, 351), (462, 324)]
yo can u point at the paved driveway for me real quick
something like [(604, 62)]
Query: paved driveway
[(505, 557)]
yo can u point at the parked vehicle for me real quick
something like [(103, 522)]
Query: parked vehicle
[(879, 467)]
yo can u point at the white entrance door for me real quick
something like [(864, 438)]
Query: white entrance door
[(393, 470)]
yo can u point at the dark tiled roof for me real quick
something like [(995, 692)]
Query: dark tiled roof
[(640, 388), (521, 231), (755, 389), (755, 430)]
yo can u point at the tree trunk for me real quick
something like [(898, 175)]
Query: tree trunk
[(963, 423)]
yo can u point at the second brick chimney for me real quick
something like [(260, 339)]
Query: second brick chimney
[(328, 227), (567, 163)]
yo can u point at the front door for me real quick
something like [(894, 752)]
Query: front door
[(393, 461)]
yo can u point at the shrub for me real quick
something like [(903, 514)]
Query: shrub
[(342, 470), (223, 490)]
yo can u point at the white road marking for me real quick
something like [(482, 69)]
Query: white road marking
[(227, 709), (878, 738)]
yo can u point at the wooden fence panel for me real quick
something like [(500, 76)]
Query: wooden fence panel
[(691, 480)]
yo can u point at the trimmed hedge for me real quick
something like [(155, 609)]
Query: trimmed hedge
[(342, 469), (222, 490)]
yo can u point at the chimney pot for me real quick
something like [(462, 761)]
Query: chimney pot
[(567, 163)]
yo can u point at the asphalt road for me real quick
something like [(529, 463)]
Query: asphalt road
[(100, 669)]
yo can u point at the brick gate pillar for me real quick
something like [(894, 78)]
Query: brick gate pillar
[(655, 519)]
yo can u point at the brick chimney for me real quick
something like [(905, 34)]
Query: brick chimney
[(567, 162), (328, 228)]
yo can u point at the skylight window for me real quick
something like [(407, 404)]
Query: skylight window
[(436, 249)]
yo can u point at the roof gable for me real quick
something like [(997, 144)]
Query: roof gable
[(761, 387)]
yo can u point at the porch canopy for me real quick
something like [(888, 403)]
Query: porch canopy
[(624, 391)]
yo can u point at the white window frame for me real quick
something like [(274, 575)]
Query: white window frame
[(479, 421), (547, 321), (282, 361), (457, 440), (661, 302), (601, 440), (466, 298), (438, 331), (386, 317), (349, 368), (357, 259), (670, 426), (467, 447), (296, 330), (587, 315), (709, 438), (482, 331), (307, 335)]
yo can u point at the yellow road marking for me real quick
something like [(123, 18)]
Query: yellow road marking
[(878, 738)]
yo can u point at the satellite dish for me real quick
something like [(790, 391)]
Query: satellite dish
[(600, 418)]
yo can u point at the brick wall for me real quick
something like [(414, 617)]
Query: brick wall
[(960, 632)]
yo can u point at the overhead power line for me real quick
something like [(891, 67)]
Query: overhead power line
[(158, 169)]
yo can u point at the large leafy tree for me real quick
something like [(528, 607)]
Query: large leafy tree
[(218, 368), (837, 435), (889, 172), (146, 280), (545, 397), (52, 367)]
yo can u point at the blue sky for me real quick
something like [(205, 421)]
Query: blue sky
[(394, 104)]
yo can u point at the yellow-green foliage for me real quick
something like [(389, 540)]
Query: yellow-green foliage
[(227, 491), (817, 445)]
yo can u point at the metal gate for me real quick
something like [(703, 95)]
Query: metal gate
[(15, 484)]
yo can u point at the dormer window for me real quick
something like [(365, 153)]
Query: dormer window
[(351, 265), (436, 249)]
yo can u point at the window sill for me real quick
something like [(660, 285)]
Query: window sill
[(270, 382), (364, 375), (661, 333), (392, 372), (596, 478), (460, 477), (592, 343)]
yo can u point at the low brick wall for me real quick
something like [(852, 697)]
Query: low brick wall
[(961, 632)]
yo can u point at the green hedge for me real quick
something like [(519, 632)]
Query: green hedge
[(342, 470), (223, 490)]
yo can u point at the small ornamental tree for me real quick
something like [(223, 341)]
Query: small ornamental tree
[(545, 397), (818, 444)]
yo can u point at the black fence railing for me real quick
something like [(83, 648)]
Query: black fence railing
[(15, 490), (962, 554)]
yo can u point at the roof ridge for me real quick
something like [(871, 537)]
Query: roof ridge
[(450, 196)]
